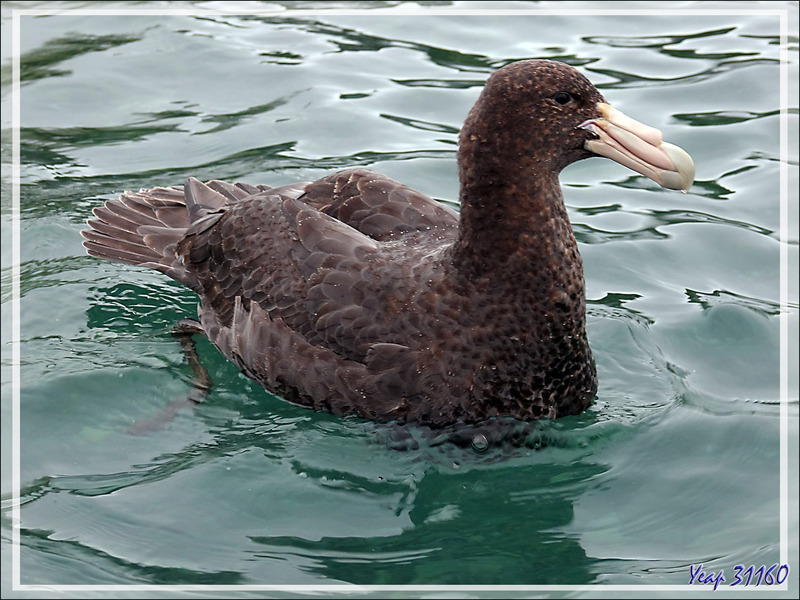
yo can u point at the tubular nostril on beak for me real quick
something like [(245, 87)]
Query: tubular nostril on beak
[(640, 148)]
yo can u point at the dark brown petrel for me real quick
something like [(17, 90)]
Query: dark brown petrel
[(356, 294)]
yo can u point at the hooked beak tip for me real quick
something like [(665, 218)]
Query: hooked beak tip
[(640, 148), (682, 177)]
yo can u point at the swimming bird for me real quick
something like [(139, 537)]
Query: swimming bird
[(358, 295)]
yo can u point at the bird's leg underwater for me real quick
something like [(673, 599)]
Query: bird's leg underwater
[(201, 383)]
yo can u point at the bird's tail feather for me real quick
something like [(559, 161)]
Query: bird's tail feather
[(144, 228)]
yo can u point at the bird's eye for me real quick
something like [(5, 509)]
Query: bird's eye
[(562, 97)]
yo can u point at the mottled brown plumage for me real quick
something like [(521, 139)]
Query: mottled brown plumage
[(357, 295)]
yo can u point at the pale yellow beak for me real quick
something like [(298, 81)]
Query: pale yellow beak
[(639, 147)]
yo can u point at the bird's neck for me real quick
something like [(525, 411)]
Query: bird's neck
[(515, 237), (517, 247), (513, 215)]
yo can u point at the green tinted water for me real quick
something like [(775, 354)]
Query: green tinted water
[(676, 464)]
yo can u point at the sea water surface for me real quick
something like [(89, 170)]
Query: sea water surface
[(676, 464)]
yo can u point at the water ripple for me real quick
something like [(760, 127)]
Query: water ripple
[(625, 80), (657, 219), (764, 307), (41, 62), (653, 41), (725, 117)]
